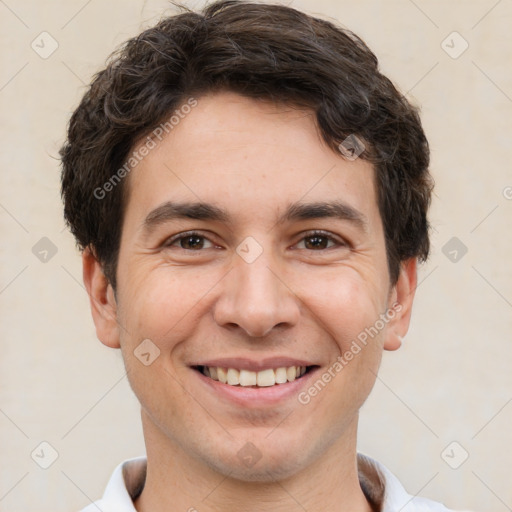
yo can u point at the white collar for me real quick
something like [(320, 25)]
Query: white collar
[(378, 483)]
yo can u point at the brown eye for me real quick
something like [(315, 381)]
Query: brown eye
[(319, 240), (192, 242), (189, 242), (316, 242)]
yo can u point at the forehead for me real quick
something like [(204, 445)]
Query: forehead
[(254, 157)]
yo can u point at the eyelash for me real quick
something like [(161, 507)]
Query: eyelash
[(309, 234)]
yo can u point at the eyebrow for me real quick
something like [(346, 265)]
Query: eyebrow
[(295, 212)]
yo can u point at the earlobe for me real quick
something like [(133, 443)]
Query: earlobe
[(393, 341), (102, 300), (400, 304)]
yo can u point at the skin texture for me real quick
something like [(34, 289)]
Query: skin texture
[(203, 301)]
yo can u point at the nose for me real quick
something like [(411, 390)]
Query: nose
[(256, 298)]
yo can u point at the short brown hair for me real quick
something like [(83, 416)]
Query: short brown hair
[(262, 51)]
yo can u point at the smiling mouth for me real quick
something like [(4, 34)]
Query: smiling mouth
[(246, 378)]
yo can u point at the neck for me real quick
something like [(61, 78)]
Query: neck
[(177, 481)]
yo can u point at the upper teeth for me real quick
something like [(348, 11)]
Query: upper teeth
[(263, 378)]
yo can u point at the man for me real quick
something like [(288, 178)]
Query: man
[(250, 195)]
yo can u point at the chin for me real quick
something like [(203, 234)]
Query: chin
[(263, 471), (272, 461)]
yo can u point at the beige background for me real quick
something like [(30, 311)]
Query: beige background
[(452, 379)]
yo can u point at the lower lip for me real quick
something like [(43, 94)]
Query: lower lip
[(257, 397)]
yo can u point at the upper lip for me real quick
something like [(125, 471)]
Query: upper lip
[(244, 363)]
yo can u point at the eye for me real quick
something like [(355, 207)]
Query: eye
[(194, 241), (318, 240), (191, 241)]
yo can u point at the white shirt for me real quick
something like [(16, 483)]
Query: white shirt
[(379, 485)]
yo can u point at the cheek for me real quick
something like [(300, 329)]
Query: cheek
[(156, 312), (346, 305), (158, 304), (349, 311)]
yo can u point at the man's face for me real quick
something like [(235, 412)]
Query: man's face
[(264, 282)]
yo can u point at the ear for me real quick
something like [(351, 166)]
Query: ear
[(400, 301), (102, 300)]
